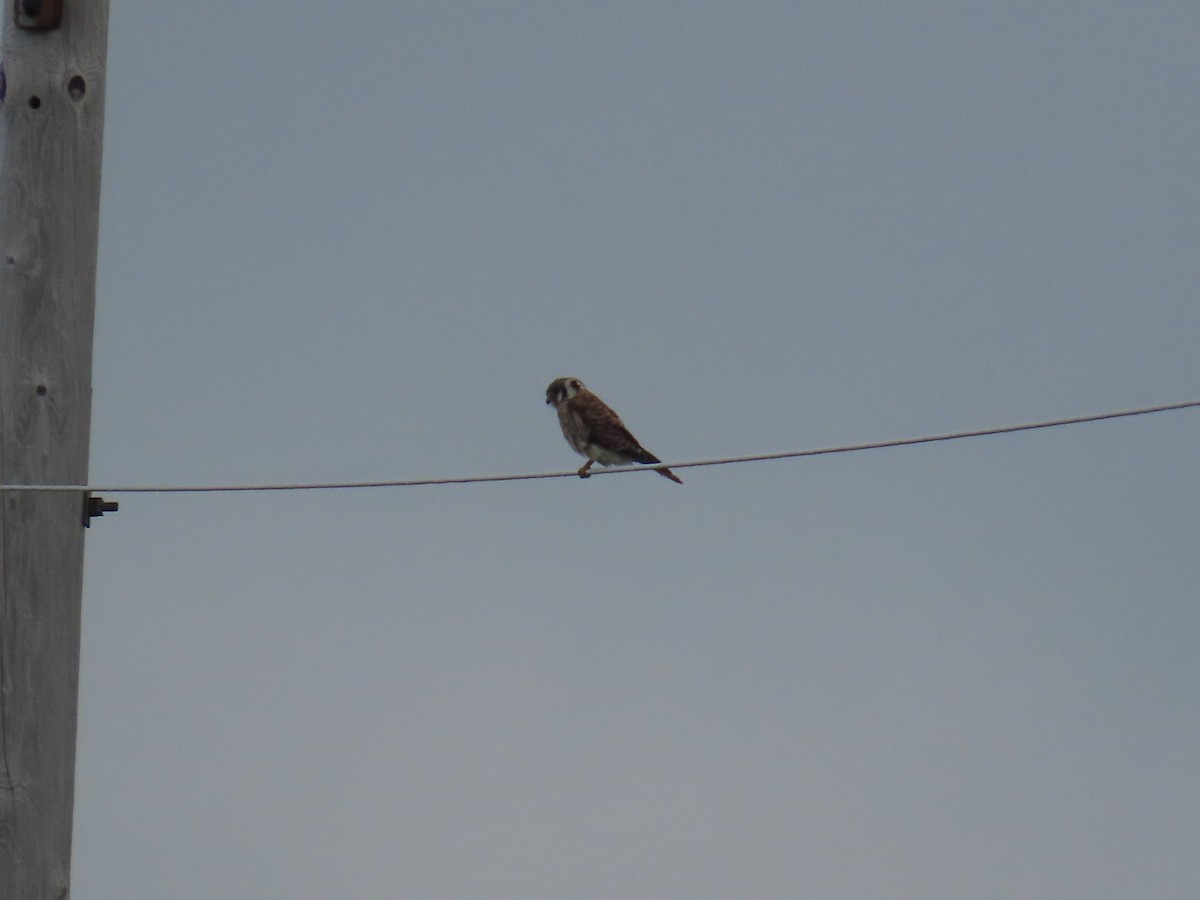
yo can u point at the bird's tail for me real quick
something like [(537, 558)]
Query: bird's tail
[(667, 473), (646, 458)]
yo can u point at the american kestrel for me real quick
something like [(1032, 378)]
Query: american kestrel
[(595, 431)]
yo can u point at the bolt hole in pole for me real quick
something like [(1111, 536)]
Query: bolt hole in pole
[(76, 87), (35, 102)]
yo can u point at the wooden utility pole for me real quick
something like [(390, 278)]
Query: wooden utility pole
[(51, 128)]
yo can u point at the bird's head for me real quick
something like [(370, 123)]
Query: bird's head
[(562, 389)]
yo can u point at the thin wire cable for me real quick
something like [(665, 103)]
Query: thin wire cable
[(478, 479)]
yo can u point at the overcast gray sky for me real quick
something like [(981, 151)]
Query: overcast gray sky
[(357, 241)]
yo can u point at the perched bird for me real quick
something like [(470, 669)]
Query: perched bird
[(595, 431)]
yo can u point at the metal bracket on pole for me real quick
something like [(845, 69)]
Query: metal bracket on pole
[(38, 15), (95, 507)]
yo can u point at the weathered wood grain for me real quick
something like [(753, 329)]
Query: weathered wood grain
[(51, 129)]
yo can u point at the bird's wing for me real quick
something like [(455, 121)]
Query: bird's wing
[(605, 429)]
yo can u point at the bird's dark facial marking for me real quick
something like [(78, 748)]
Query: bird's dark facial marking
[(560, 389)]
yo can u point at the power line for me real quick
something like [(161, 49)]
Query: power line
[(479, 479)]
